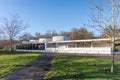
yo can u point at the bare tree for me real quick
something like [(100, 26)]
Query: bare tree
[(103, 35), (48, 34), (37, 35), (104, 16), (11, 27), (26, 37), (54, 33), (81, 33), (64, 33)]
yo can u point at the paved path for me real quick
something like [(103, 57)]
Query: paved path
[(33, 71), (38, 68)]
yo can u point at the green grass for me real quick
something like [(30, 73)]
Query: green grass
[(76, 68), (10, 62), (118, 47)]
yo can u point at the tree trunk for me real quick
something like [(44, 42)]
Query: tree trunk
[(112, 53), (11, 46), (113, 34)]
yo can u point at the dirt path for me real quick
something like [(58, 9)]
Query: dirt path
[(38, 68)]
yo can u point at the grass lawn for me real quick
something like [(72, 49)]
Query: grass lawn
[(10, 62), (76, 68)]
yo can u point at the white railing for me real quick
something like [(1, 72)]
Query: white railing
[(86, 50)]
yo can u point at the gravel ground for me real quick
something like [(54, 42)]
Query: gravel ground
[(39, 67)]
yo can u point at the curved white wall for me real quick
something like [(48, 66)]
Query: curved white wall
[(58, 38)]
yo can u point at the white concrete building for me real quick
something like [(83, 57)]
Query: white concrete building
[(61, 44)]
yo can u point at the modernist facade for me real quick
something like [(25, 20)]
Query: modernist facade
[(62, 44)]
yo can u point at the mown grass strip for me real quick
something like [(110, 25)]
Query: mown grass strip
[(76, 68)]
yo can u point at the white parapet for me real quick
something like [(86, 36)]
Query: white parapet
[(33, 41), (86, 50), (58, 38), (45, 40), (25, 42)]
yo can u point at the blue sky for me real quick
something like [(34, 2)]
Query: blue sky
[(44, 15)]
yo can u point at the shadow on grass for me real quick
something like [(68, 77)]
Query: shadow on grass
[(80, 77), (88, 76), (7, 52), (74, 76)]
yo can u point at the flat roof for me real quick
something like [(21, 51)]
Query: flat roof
[(87, 40)]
